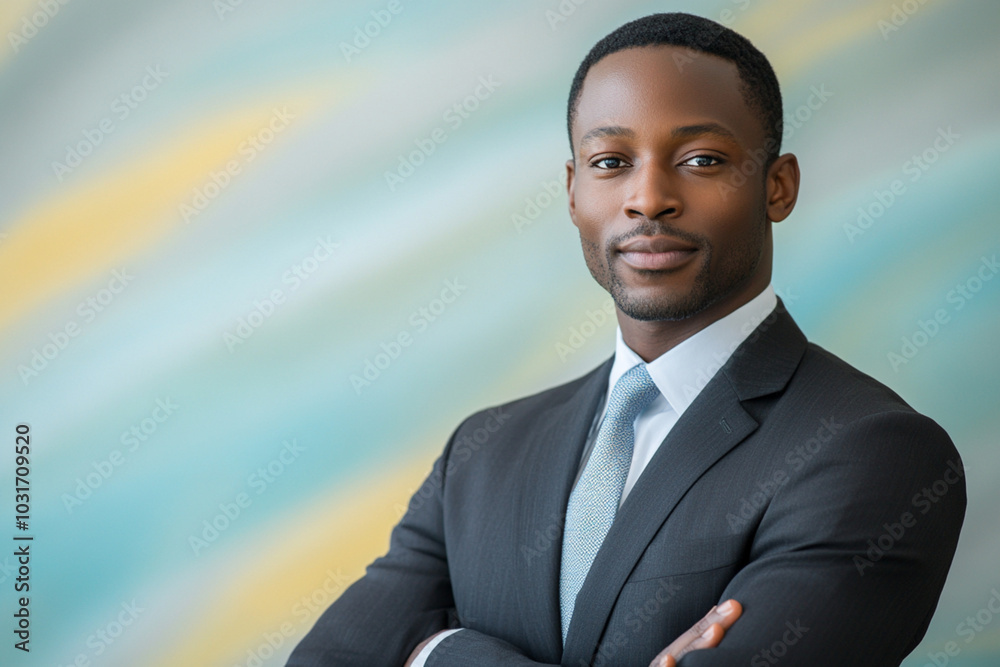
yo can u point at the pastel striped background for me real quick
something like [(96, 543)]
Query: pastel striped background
[(327, 127)]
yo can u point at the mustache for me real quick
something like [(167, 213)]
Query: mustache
[(650, 228)]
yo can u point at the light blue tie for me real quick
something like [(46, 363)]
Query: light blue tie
[(594, 501)]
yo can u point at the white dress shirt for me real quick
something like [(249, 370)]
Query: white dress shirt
[(680, 374)]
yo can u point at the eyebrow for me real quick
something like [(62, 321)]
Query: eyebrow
[(683, 132), (608, 131), (713, 129)]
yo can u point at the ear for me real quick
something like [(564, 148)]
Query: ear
[(782, 187), (570, 183)]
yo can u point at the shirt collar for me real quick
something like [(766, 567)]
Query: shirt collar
[(682, 372)]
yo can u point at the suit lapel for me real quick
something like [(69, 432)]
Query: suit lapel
[(550, 456), (711, 426)]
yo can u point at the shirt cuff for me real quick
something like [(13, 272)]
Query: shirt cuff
[(426, 652)]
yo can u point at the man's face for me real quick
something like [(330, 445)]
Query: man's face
[(671, 209)]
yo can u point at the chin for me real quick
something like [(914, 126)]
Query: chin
[(653, 305)]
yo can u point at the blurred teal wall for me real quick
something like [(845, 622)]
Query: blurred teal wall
[(255, 266)]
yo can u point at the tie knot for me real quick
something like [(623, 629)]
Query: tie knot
[(633, 392)]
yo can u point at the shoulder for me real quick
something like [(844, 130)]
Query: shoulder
[(802, 395), (849, 444), (824, 378), (862, 418), (789, 384)]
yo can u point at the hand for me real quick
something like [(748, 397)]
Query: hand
[(706, 633), (420, 647)]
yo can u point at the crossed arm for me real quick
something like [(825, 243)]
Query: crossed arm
[(846, 568), (706, 633)]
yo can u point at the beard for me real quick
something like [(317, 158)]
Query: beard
[(709, 285)]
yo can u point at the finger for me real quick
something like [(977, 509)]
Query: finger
[(721, 618), (663, 659), (723, 615), (708, 639), (729, 611)]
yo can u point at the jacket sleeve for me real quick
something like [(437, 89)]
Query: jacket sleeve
[(404, 597), (849, 560), (469, 647)]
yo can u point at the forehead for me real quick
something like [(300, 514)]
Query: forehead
[(652, 89)]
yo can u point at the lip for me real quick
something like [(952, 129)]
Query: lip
[(656, 253)]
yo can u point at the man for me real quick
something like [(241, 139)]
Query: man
[(717, 456)]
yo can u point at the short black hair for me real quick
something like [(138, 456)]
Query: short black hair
[(759, 83)]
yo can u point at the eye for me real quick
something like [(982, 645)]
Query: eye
[(703, 161), (615, 163)]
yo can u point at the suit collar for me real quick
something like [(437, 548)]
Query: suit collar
[(714, 423), (682, 372), (765, 361)]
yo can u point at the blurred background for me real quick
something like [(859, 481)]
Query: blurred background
[(259, 259)]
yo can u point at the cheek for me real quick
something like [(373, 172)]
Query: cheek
[(595, 200), (728, 231), (746, 192), (727, 213), (594, 214)]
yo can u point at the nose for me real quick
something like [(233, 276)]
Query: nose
[(653, 193)]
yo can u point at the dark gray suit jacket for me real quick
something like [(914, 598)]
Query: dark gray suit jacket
[(793, 483)]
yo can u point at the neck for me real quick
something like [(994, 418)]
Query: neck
[(650, 339)]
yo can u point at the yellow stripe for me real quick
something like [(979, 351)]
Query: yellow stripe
[(342, 536), (793, 47), (86, 228)]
